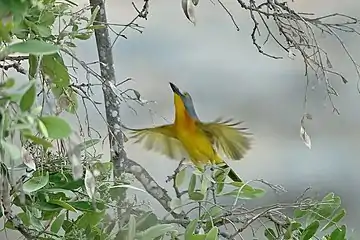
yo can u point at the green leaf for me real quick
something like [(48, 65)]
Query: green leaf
[(93, 16), (42, 129), (67, 226), (212, 234), (49, 216), (75, 28), (9, 83), (219, 177), (310, 231), (180, 177), (103, 167), (21, 31), (196, 196), (65, 181), (270, 234), (36, 183), (28, 98), (43, 31), (292, 227), (47, 18), (146, 220), (44, 206), (34, 47), (24, 218), (192, 183), (86, 206), (326, 207), (89, 219), (335, 219), (73, 185), (38, 141), (53, 66), (57, 128), (204, 185), (13, 151), (40, 30), (63, 204), (58, 222), (245, 191), (35, 222), (338, 233), (83, 36), (197, 237), (219, 187), (5, 30), (213, 212), (94, 27), (33, 64), (66, 192), (189, 231), (10, 225), (132, 228), (298, 213), (57, 91), (86, 144), (155, 231)]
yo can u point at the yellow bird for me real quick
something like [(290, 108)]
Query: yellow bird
[(190, 138)]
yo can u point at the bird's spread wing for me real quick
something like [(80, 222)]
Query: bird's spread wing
[(161, 139), (227, 137)]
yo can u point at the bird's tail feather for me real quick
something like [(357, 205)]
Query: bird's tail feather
[(232, 174)]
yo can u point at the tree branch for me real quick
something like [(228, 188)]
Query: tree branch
[(6, 205), (149, 183), (296, 32), (121, 163)]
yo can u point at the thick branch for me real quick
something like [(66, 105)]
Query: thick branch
[(111, 100), (121, 163), (112, 103)]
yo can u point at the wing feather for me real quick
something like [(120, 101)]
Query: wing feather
[(228, 137), (161, 139)]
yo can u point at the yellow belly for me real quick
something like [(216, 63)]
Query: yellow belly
[(198, 146)]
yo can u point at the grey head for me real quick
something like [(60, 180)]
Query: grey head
[(187, 100)]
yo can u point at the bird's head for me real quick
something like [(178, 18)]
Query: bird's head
[(184, 100)]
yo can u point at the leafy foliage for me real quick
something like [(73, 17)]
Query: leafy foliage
[(58, 200)]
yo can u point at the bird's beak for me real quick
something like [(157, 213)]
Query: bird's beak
[(175, 89)]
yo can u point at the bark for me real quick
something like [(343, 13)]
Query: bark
[(120, 161)]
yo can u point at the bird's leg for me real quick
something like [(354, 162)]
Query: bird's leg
[(213, 167), (213, 184)]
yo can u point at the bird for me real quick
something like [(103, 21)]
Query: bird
[(189, 137)]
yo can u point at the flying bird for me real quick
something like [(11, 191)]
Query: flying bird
[(198, 141)]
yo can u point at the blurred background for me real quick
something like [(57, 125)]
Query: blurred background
[(227, 76)]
